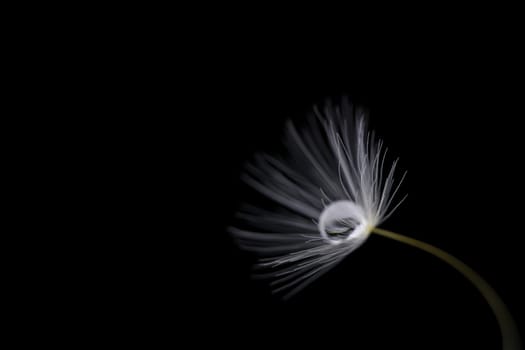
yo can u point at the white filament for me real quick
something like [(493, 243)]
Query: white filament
[(331, 190)]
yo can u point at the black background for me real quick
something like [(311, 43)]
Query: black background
[(180, 134)]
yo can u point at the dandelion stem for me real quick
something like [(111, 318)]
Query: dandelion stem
[(509, 332)]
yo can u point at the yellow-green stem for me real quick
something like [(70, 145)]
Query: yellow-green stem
[(509, 332)]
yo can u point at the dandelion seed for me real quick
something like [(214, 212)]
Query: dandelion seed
[(333, 190)]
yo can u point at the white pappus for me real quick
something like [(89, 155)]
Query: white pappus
[(326, 196)]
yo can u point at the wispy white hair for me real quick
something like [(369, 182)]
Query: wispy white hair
[(329, 191)]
